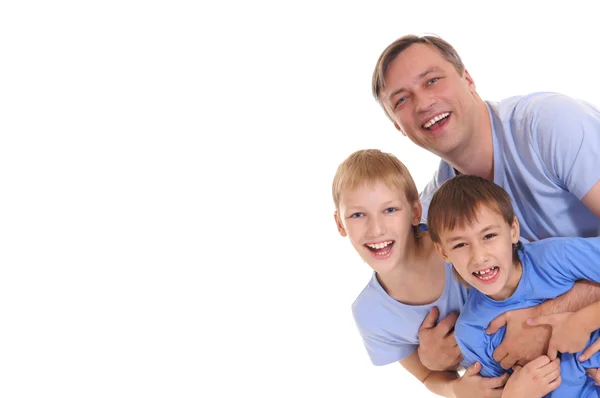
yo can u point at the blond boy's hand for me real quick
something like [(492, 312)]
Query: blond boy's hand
[(438, 349), (472, 385), (534, 380)]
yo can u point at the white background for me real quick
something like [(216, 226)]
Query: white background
[(165, 169)]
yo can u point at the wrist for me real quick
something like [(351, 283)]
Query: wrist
[(587, 319)]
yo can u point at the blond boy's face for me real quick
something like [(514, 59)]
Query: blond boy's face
[(378, 221), (482, 253)]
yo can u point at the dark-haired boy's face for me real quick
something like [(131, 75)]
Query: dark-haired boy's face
[(482, 253)]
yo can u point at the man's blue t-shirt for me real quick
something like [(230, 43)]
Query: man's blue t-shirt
[(546, 156)]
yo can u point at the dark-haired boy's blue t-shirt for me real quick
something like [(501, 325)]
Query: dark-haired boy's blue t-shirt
[(550, 268)]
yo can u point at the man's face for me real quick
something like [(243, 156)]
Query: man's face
[(430, 101), (378, 221)]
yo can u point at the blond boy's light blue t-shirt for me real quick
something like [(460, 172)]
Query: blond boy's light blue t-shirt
[(389, 328)]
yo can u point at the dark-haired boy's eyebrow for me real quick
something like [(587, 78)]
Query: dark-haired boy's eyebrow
[(481, 232)]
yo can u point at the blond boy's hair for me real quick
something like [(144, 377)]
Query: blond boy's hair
[(370, 166)]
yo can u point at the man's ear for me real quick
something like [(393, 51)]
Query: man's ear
[(470, 81), (417, 213), (440, 250), (338, 223), (515, 230), (399, 129)]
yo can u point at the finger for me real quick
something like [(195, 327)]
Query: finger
[(517, 368), (540, 362), (553, 385), (591, 350), (542, 320), (499, 353), (496, 324), (450, 341), (593, 373), (508, 362), (430, 319), (495, 382), (446, 325), (473, 369), (552, 375), (552, 352)]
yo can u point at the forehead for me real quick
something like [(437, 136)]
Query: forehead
[(413, 61), (369, 192), (482, 218)]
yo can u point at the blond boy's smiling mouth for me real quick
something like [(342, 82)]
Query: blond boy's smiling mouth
[(380, 249)]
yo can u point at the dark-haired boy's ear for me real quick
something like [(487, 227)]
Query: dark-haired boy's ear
[(417, 213), (440, 250), (515, 230), (399, 129), (338, 223)]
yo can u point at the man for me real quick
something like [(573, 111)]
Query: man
[(541, 148)]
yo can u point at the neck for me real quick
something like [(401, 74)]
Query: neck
[(511, 283), (420, 257), (476, 157)]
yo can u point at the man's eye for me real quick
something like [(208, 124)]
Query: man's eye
[(356, 215), (433, 80), (458, 246), (400, 101)]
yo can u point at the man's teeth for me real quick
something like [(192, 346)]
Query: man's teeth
[(436, 119), (486, 274), (379, 245)]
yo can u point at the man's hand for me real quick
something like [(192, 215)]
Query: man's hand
[(471, 385), (437, 347), (522, 343), (568, 334), (534, 380)]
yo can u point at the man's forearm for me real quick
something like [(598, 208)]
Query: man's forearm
[(581, 295)]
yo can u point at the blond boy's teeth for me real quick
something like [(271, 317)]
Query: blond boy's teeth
[(380, 245), (436, 119)]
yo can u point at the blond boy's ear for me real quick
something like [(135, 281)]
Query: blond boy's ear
[(515, 230), (440, 250), (417, 213), (338, 223)]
